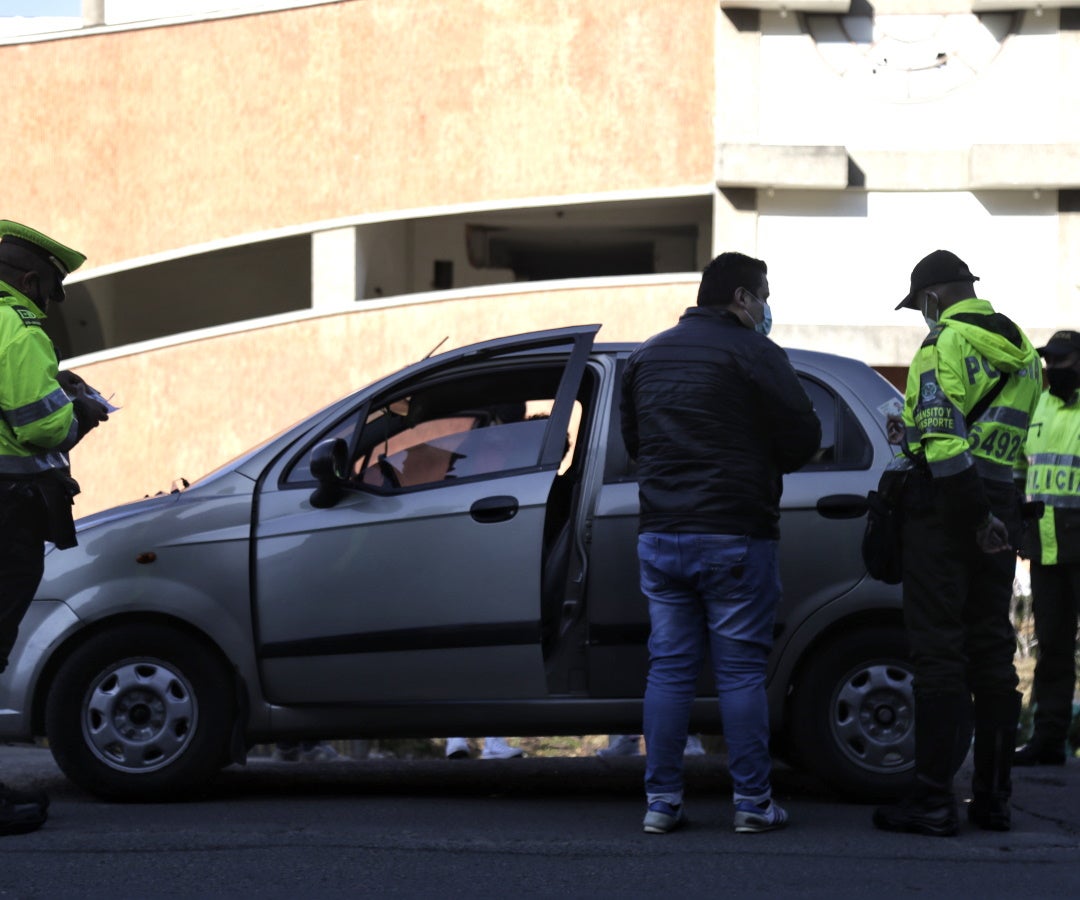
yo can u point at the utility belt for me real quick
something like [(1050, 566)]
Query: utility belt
[(920, 492), (56, 490)]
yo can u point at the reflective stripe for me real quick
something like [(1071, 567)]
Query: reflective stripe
[(1060, 500), (39, 409), (1058, 480), (952, 466), (1054, 459), (993, 471), (1006, 415), (32, 465)]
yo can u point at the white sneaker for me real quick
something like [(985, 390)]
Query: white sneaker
[(693, 746), (750, 818), (621, 745), (286, 751), (497, 748), (322, 753), (457, 748)]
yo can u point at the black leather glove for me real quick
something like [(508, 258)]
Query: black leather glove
[(89, 410), (992, 536)]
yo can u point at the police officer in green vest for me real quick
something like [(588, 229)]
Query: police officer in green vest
[(1052, 544), (43, 414), (971, 390)]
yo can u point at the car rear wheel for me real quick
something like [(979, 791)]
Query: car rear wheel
[(853, 713), (141, 712)]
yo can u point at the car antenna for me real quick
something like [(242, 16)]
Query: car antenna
[(436, 347)]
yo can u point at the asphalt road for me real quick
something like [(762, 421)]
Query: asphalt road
[(550, 827)]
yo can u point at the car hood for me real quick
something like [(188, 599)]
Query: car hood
[(225, 484)]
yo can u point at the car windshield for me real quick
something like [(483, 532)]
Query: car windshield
[(241, 458)]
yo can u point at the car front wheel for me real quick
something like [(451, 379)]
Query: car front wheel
[(853, 713), (141, 712)]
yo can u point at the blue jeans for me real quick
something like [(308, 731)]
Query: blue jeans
[(726, 587)]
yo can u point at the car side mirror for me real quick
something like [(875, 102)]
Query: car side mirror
[(329, 465)]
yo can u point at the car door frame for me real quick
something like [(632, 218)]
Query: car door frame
[(575, 343)]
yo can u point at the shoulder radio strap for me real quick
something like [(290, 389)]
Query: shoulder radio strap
[(985, 400)]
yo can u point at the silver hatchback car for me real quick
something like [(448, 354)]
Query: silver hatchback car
[(450, 550)]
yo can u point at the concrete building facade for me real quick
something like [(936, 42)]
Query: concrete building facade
[(282, 201)]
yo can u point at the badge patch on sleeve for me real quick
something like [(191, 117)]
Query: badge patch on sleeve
[(28, 318)]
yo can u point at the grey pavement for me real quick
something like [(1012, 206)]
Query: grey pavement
[(548, 826), (1045, 798)]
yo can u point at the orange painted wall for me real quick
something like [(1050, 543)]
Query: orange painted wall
[(155, 139)]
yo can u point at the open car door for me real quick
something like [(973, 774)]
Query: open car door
[(422, 581)]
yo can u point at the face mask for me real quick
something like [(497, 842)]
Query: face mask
[(931, 321), (765, 325), (1063, 382)]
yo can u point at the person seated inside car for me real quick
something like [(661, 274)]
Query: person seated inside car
[(494, 440)]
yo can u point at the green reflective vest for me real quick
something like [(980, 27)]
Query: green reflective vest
[(1052, 464), (37, 419), (958, 363)]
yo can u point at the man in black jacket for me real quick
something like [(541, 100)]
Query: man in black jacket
[(714, 415)]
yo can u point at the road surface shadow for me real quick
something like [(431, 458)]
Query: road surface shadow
[(546, 776)]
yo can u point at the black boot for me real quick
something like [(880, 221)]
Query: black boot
[(1039, 752), (940, 723), (20, 817), (965, 730), (18, 797), (930, 810), (996, 716)]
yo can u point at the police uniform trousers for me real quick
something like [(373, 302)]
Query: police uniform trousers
[(1056, 606), (956, 610), (23, 526)]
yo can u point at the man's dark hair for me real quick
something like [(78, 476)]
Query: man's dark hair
[(725, 274)]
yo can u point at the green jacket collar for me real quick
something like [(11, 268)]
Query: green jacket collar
[(9, 296)]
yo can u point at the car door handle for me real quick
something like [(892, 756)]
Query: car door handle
[(842, 506), (494, 509)]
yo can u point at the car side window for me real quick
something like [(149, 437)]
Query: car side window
[(475, 424), (451, 448), (844, 444), (478, 425)]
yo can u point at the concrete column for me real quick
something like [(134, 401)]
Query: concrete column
[(93, 13), (735, 220), (336, 276), (1068, 299)]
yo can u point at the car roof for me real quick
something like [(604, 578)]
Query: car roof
[(834, 362)]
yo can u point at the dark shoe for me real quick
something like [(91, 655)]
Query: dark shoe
[(20, 797), (942, 727), (20, 818), (1039, 754), (924, 815), (990, 812), (996, 715)]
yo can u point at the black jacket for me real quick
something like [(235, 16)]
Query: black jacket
[(714, 414)]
